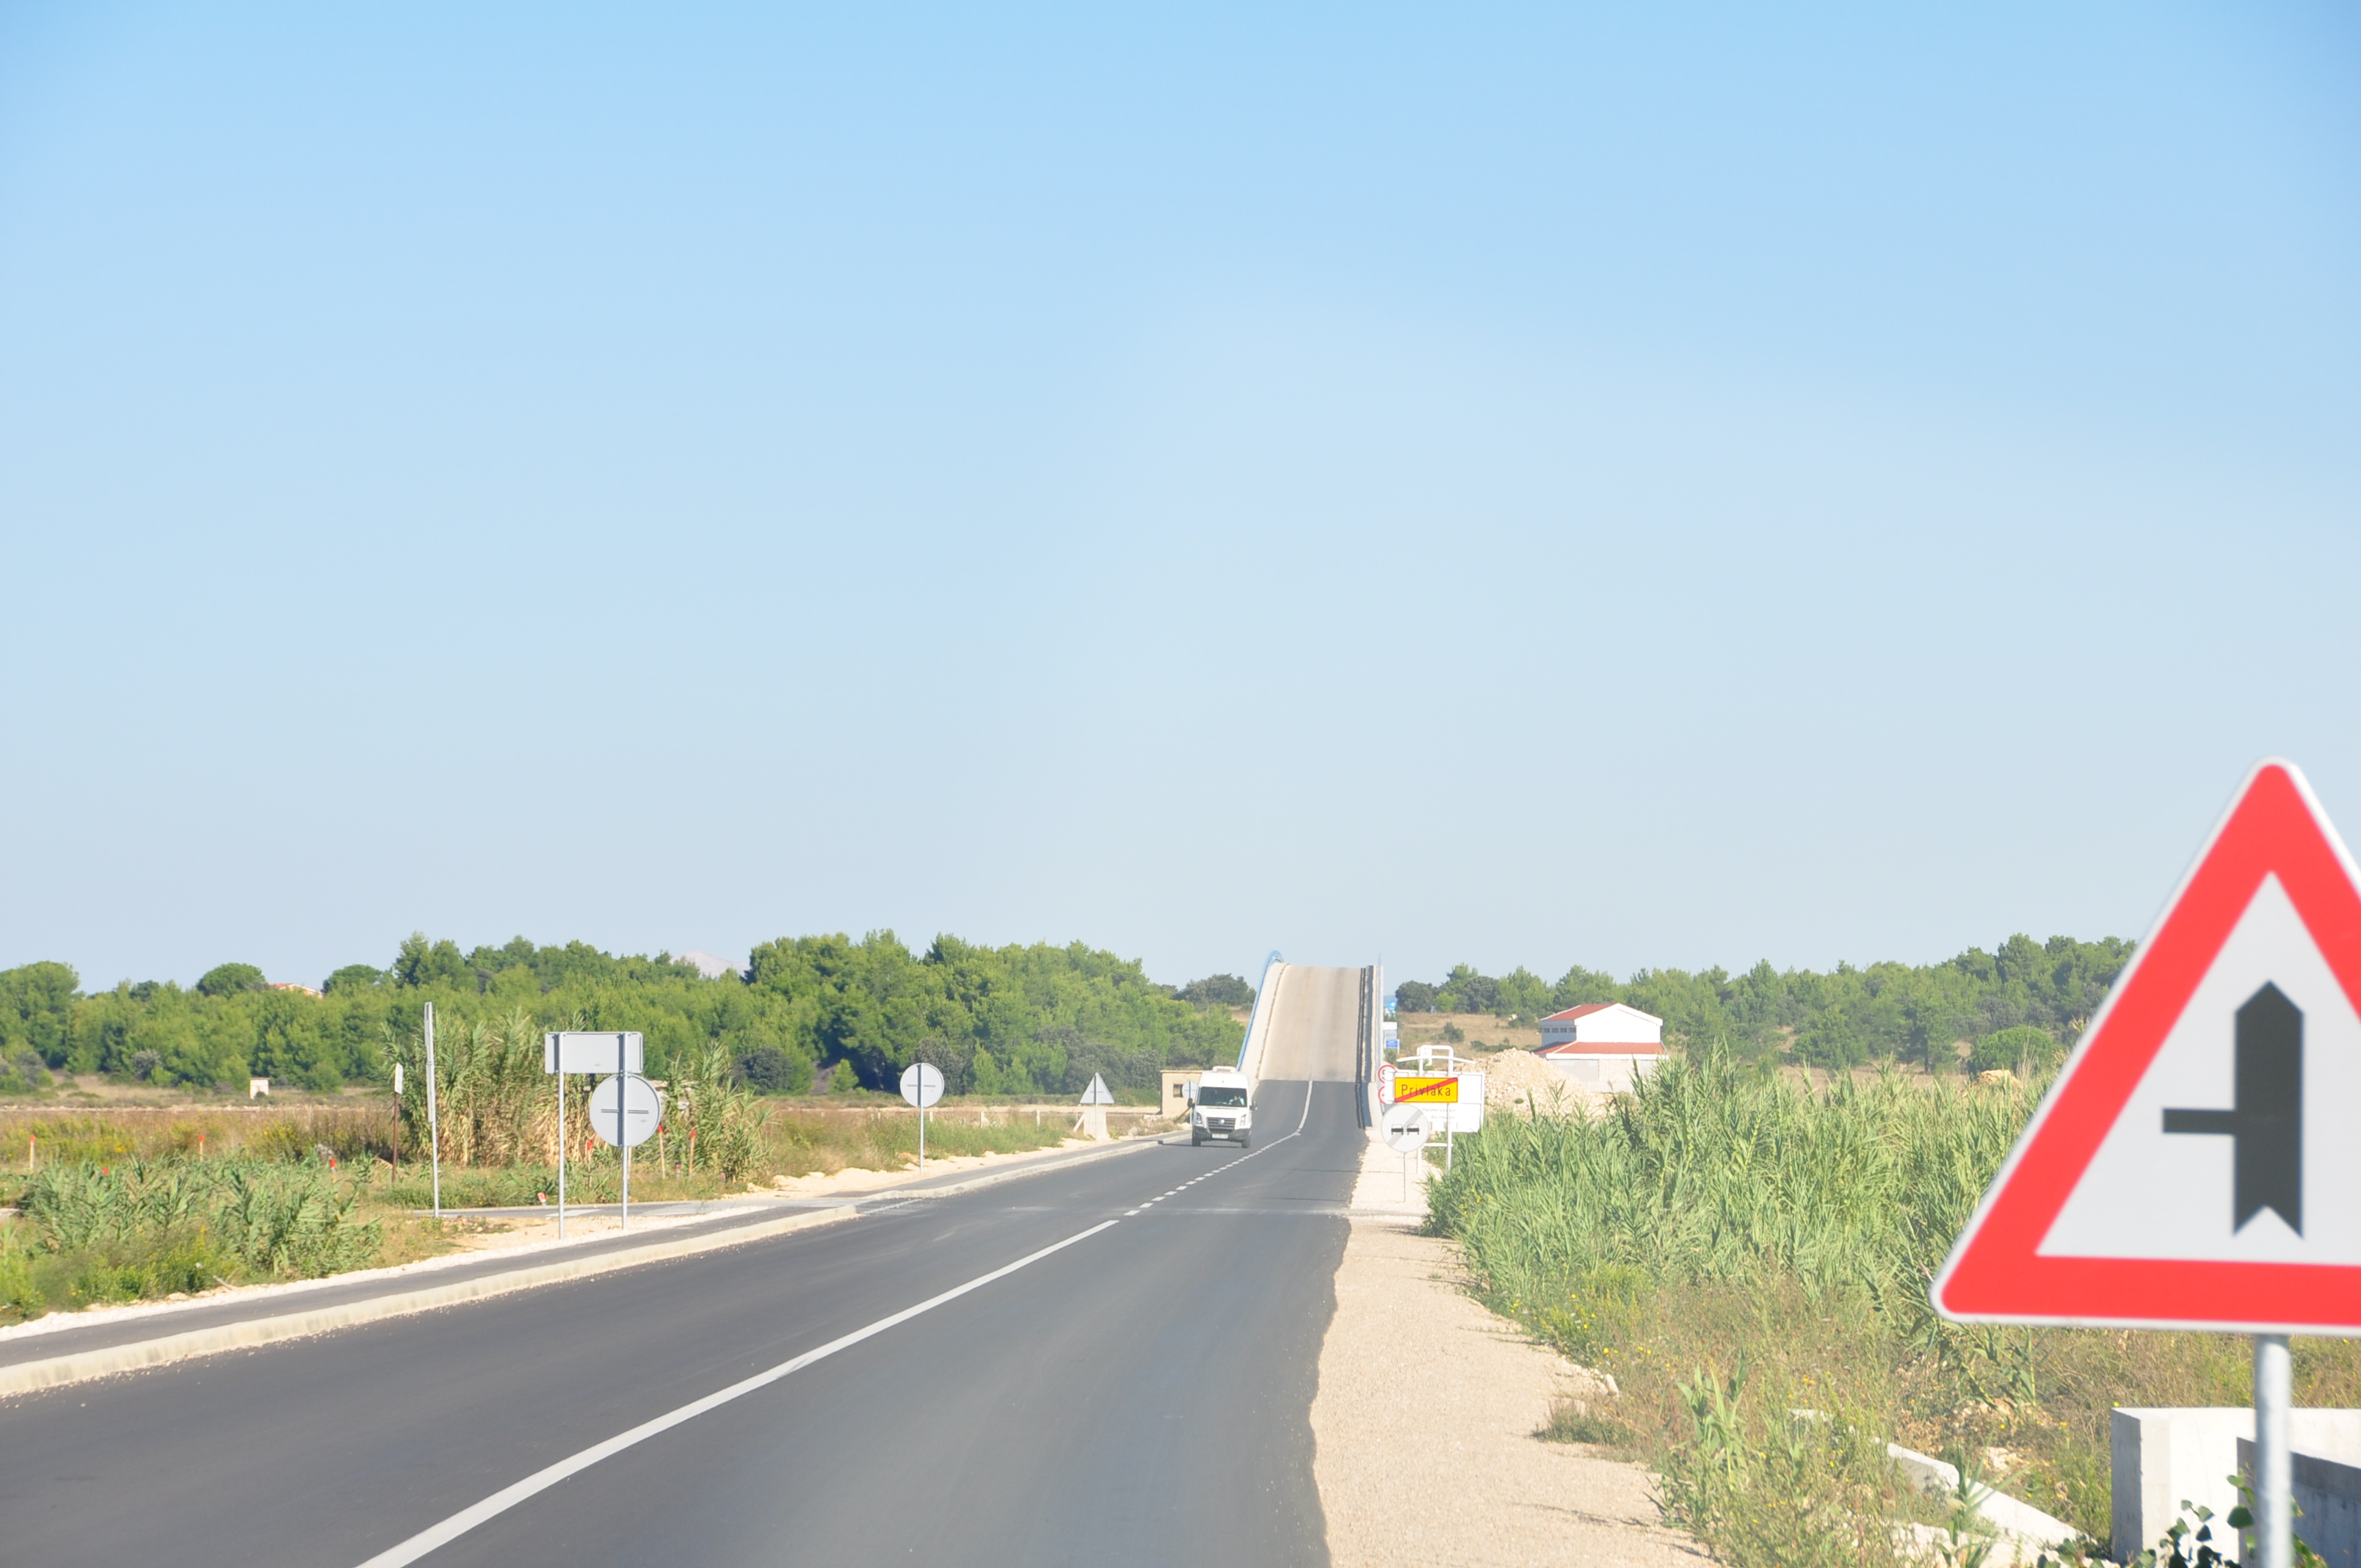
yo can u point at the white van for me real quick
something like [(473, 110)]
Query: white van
[(1219, 1108)]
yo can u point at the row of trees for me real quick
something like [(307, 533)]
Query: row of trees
[(2001, 1003), (1014, 1020)]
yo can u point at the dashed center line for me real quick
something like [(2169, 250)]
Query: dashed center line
[(1217, 1170)]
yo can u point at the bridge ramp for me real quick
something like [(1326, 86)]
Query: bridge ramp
[(1315, 1018)]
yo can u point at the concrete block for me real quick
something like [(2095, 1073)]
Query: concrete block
[(2015, 1521), (2163, 1454), (2327, 1498)]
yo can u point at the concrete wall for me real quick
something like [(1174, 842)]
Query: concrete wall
[(2327, 1499), (1607, 1071), (1265, 1007), (2164, 1454), (1180, 1085)]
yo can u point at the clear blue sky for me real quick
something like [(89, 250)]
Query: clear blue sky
[(1657, 485)]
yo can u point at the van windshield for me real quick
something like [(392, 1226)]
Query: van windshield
[(1207, 1095)]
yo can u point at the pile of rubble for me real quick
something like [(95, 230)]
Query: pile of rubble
[(1519, 1083)]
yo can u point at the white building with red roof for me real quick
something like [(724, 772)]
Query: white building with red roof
[(1603, 1044)]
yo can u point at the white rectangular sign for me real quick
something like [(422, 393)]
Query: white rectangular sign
[(581, 1051), (1467, 1115)]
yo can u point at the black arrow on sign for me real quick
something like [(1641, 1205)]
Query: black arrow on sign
[(2267, 1124)]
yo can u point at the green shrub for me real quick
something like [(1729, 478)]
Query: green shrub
[(2024, 1050), (1738, 1248), (1569, 1423), (142, 1228), (1724, 1218)]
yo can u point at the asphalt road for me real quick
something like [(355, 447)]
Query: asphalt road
[(1141, 1395)]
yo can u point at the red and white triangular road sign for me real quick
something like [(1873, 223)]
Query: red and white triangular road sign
[(2198, 1162)]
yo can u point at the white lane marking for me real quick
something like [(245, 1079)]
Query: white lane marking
[(501, 1501), (1217, 1170)]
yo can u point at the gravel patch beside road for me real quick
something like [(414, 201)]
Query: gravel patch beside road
[(1424, 1417)]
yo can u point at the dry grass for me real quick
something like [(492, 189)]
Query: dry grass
[(346, 1146), (1477, 1031)]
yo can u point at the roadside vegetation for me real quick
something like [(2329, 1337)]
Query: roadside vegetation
[(2018, 1008), (125, 1203), (1016, 1021), (1749, 1258)]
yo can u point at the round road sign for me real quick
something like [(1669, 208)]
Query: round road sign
[(1406, 1128), (922, 1083), (643, 1109)]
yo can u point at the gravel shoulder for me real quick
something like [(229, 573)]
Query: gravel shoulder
[(1424, 1419)]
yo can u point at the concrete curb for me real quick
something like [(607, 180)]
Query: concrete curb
[(27, 1376), (140, 1354)]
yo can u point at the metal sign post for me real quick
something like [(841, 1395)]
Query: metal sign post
[(623, 1142), (1406, 1131), (434, 1133), (2121, 1207), (625, 1109), (922, 1085), (584, 1051), (2274, 1464)]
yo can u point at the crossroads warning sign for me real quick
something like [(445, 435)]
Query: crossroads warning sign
[(1410, 1089), (2198, 1162)]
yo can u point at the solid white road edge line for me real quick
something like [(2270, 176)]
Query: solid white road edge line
[(499, 1502)]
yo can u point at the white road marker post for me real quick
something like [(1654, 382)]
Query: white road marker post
[(434, 1130), (622, 1136)]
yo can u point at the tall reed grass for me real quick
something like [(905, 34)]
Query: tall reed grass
[(145, 1200), (1736, 1247), (89, 1233)]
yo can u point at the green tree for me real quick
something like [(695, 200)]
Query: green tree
[(2024, 1051), (1465, 990), (37, 1011), (1842, 1017), (423, 963), (228, 979), (354, 977), (1217, 991)]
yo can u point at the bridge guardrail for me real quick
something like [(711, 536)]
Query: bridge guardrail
[(1251, 1049)]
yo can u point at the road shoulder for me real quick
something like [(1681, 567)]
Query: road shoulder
[(36, 1357), (1424, 1394)]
